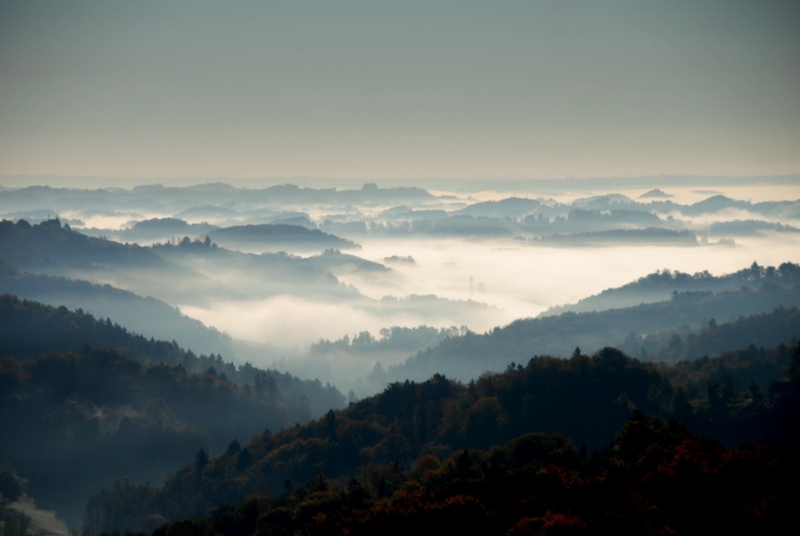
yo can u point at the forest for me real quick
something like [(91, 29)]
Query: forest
[(375, 268), (435, 447), (517, 451)]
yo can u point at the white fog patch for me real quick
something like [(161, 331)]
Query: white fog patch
[(113, 222), (285, 320), (488, 283), (725, 215), (293, 322), (524, 279)]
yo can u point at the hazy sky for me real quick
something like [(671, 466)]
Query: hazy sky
[(399, 89)]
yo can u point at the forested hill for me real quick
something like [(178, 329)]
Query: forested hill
[(80, 420), (416, 426), (48, 243), (147, 316), (765, 330), (29, 328), (659, 285), (278, 235), (86, 402), (470, 355), (658, 479)]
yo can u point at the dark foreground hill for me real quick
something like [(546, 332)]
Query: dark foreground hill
[(76, 416), (658, 479), (439, 450)]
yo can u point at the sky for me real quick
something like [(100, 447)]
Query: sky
[(395, 90)]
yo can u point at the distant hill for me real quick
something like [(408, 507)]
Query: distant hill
[(272, 236), (749, 228), (52, 249), (660, 285), (511, 207), (155, 229), (262, 274), (462, 225), (655, 194), (580, 220), (754, 332), (49, 243), (651, 235), (332, 260), (206, 212)]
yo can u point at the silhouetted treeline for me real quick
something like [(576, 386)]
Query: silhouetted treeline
[(412, 425)]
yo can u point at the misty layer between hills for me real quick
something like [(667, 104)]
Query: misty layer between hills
[(449, 262)]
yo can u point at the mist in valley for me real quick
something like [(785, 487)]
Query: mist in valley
[(313, 265), (372, 268)]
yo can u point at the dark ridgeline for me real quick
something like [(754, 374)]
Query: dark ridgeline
[(498, 455)]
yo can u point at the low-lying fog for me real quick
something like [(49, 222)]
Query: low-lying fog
[(515, 280), (277, 306)]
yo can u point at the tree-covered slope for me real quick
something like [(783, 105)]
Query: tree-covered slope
[(86, 402), (658, 479), (147, 316), (660, 285), (410, 424), (470, 355)]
